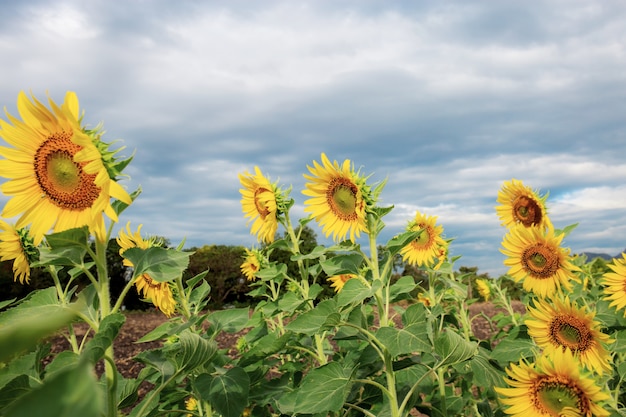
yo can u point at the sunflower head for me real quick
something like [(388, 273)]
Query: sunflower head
[(159, 293), (553, 386), (614, 283), (251, 265), (535, 256), (561, 325), (340, 198), (484, 289), (429, 248), (263, 203), (338, 281), (57, 178), (17, 245), (519, 204)]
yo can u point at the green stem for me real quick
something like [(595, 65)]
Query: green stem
[(442, 391), (105, 310), (391, 386)]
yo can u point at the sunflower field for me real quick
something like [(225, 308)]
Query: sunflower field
[(375, 347)]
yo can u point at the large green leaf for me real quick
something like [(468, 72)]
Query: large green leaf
[(227, 393), (321, 317), (410, 339), (161, 264), (107, 332), (231, 320), (24, 325), (401, 288), (323, 389), (72, 392), (513, 349), (263, 348), (619, 345), (355, 291), (452, 348), (191, 351), (65, 248), (396, 243), (486, 374), (342, 264)]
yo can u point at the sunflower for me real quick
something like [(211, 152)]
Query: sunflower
[(57, 178), (429, 245), (17, 245), (424, 299), (553, 386), (483, 289), (339, 197), (159, 293), (191, 404), (563, 325), (338, 281), (521, 205), (615, 283), (260, 204), (536, 257), (251, 264)]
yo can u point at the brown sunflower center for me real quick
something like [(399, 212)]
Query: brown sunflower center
[(540, 261), (342, 198), (61, 179), (259, 202), (553, 395), (571, 332), (527, 211)]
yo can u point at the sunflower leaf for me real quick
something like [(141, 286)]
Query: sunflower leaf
[(228, 393), (342, 264), (396, 243), (119, 206), (161, 264), (65, 248)]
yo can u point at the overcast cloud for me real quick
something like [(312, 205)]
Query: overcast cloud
[(446, 99)]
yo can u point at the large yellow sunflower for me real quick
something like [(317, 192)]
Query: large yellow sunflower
[(18, 246), (553, 386), (614, 283), (536, 257), (338, 198), (562, 325), (338, 281), (521, 205), (57, 178), (159, 293), (259, 203), (251, 264), (428, 246)]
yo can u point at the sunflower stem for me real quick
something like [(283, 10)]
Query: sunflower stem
[(104, 296)]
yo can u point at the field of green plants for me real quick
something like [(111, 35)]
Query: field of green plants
[(334, 330)]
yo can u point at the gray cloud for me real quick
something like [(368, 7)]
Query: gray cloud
[(446, 99)]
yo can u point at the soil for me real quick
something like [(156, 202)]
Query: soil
[(138, 324)]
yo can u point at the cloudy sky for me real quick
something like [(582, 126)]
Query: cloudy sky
[(446, 99)]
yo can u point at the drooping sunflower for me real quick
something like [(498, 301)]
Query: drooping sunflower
[(338, 281), (191, 404), (428, 246), (260, 204), (614, 283), (521, 205), (57, 178), (251, 264), (159, 293), (535, 256), (562, 325), (483, 289), (552, 386), (339, 198), (17, 245)]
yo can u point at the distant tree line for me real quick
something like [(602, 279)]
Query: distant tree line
[(228, 284)]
